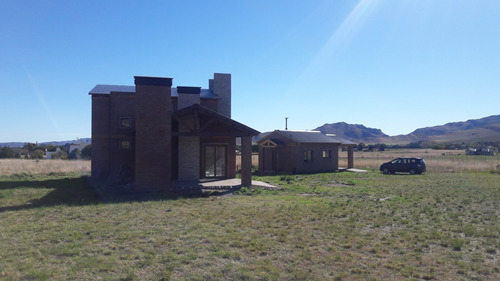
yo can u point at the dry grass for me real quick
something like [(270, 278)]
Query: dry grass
[(255, 160), (9, 167), (436, 160)]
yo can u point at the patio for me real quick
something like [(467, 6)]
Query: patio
[(220, 184)]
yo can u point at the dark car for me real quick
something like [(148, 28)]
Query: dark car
[(405, 165)]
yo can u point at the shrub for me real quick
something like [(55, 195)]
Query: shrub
[(87, 152), (38, 154), (75, 154)]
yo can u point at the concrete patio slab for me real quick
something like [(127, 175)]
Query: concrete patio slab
[(217, 184), (356, 170)]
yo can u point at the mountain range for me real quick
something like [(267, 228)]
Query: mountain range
[(56, 143), (471, 131), (486, 129)]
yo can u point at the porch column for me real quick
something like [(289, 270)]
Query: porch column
[(246, 161), (350, 157)]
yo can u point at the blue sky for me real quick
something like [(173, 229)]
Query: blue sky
[(396, 65)]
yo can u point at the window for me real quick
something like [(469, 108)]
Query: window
[(215, 161), (125, 122), (308, 155), (125, 144), (327, 153)]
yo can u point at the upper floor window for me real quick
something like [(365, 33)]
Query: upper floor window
[(125, 122), (125, 144)]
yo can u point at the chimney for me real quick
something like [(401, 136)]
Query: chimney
[(189, 146), (222, 88), (153, 137), (187, 96)]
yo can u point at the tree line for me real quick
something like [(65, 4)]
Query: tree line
[(38, 151), (428, 145)]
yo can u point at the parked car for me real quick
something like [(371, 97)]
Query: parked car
[(405, 165)]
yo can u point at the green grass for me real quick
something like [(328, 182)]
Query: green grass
[(339, 226)]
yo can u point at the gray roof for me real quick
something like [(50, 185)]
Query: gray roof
[(107, 89), (342, 140), (204, 93), (308, 136)]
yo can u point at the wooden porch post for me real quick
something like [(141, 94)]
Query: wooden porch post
[(350, 157), (246, 161)]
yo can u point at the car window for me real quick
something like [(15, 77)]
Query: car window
[(395, 161)]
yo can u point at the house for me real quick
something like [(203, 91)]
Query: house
[(50, 154), (480, 151), (301, 152), (152, 133)]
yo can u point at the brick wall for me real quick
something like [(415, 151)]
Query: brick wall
[(100, 136), (222, 88), (189, 158), (121, 165), (153, 133)]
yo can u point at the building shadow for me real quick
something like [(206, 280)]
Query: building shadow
[(64, 191), (83, 191), (116, 193)]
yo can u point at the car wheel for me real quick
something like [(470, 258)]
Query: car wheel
[(385, 171), (412, 172)]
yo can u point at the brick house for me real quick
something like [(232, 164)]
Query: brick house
[(152, 134), (301, 152)]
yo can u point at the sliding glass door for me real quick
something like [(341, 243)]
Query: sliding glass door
[(215, 161)]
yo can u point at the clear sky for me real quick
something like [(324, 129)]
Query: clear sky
[(396, 65)]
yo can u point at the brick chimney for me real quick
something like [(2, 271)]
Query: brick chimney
[(187, 96), (153, 137), (189, 146), (221, 86)]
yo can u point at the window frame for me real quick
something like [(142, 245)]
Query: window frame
[(129, 126), (121, 145), (308, 155), (327, 154)]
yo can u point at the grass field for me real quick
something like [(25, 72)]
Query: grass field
[(336, 226), (436, 160), (27, 168)]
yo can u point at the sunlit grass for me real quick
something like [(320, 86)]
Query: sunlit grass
[(331, 226)]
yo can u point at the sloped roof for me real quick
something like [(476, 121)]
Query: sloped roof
[(305, 137), (107, 89), (260, 136), (308, 136), (233, 127), (342, 140)]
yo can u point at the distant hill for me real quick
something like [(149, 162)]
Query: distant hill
[(356, 133), (491, 123), (12, 144), (477, 130), (56, 143)]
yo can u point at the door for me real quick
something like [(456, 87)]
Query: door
[(215, 161), (269, 161)]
